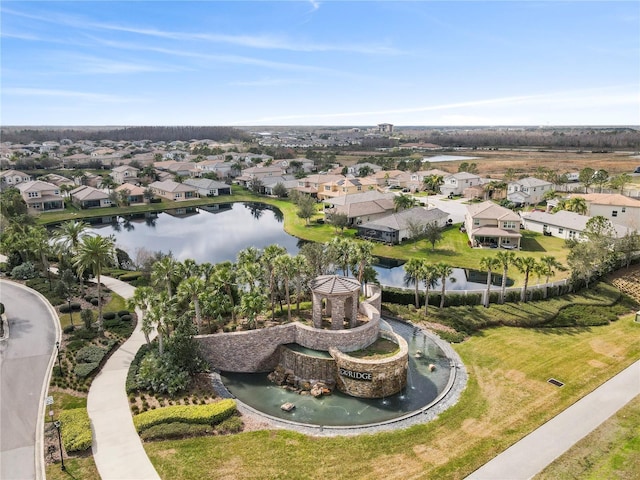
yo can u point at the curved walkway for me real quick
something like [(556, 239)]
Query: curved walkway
[(534, 452), (117, 448)]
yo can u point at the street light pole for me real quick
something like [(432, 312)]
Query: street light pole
[(59, 362), (57, 425)]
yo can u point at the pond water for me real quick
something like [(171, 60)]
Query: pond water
[(217, 233), (423, 387)]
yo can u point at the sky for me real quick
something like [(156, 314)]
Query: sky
[(361, 63)]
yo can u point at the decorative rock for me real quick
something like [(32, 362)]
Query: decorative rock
[(287, 407), (432, 367), (418, 354)]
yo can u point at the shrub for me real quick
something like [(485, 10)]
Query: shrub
[(125, 318), (209, 414), (76, 429), (88, 298), (90, 354), (83, 370), (68, 329), (24, 271), (65, 308), (232, 424), (168, 431), (87, 318), (132, 384), (108, 316), (513, 296), (130, 277), (75, 345), (161, 376), (109, 324), (94, 302), (123, 312), (84, 333), (75, 306)]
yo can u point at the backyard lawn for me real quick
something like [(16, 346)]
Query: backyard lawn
[(507, 396)]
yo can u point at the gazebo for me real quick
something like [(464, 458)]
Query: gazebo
[(340, 298)]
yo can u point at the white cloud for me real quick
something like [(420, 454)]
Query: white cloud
[(85, 96)]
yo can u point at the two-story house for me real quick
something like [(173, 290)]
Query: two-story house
[(455, 183), (528, 191), (125, 174), (11, 178), (346, 186), (619, 209), (493, 226), (312, 184), (41, 196), (134, 194)]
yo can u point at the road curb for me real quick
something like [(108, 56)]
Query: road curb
[(39, 445)]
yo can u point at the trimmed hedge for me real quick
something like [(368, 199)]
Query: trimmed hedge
[(169, 431), (132, 384), (209, 414), (121, 313), (90, 354), (130, 277), (108, 316), (76, 429), (126, 318)]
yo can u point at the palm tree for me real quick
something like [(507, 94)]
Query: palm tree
[(188, 268), (444, 272), (525, 265), (191, 289), (268, 262), (141, 301), (94, 254), (577, 205), (505, 260), (69, 234), (403, 202), (341, 251), (413, 270), (251, 304), (550, 265), (489, 264), (429, 275), (302, 270), (161, 310), (362, 257), (248, 267), (224, 276), (284, 267), (164, 273)]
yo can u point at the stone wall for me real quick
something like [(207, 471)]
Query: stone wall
[(388, 376), (308, 367), (256, 350)]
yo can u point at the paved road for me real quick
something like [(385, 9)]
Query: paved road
[(26, 359), (534, 452)]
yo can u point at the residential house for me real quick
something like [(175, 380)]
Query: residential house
[(181, 169), (289, 182), (125, 174), (619, 209), (41, 196), (251, 173), (355, 169), (392, 178), (528, 191), (490, 225), (346, 186), (59, 180), (11, 178), (397, 227), (563, 224), (89, 197), (312, 184), (221, 168), (134, 195), (174, 191), (362, 207), (208, 188), (455, 183), (416, 180)]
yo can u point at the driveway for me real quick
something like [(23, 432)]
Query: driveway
[(26, 359), (456, 208)]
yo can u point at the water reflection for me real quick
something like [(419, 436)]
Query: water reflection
[(216, 233)]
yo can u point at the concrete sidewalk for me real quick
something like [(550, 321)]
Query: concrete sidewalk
[(534, 452), (117, 449)]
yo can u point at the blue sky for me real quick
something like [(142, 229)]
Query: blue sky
[(320, 63)]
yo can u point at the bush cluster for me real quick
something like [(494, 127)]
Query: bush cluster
[(25, 271), (209, 414), (76, 429)]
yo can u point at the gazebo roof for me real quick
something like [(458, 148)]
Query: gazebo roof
[(334, 285)]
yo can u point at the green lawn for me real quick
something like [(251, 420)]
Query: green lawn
[(507, 396), (610, 451)]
